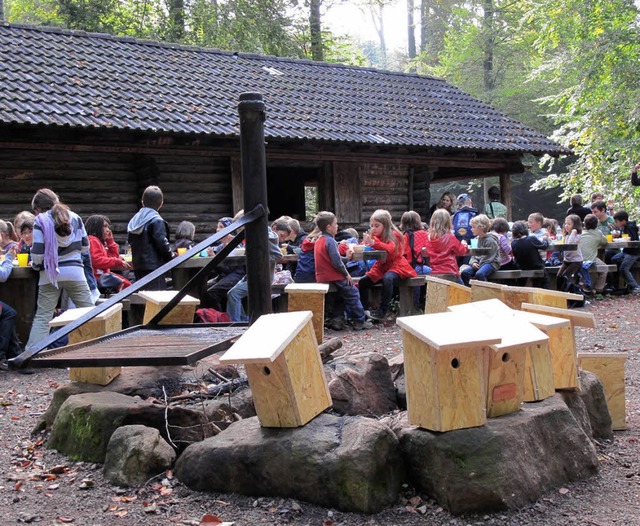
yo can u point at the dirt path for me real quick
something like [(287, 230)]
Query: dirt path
[(41, 486)]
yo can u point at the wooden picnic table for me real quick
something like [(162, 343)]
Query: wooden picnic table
[(622, 243), (561, 247), (19, 291)]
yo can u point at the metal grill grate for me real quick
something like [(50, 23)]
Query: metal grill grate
[(145, 345)]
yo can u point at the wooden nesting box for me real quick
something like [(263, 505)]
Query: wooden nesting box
[(444, 370), (284, 368), (105, 323), (183, 312), (309, 296), (609, 367), (485, 290), (442, 293), (562, 344), (505, 362), (514, 297)]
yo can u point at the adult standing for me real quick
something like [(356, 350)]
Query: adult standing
[(59, 240), (494, 208), (148, 235), (446, 202), (577, 207)]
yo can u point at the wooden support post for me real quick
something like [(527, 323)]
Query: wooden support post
[(309, 296), (609, 367), (444, 370), (284, 368), (182, 313), (105, 323), (442, 293)]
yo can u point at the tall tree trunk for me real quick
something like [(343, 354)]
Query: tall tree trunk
[(1, 10), (315, 29), (424, 14), (411, 29), (176, 17), (488, 43), (377, 16)]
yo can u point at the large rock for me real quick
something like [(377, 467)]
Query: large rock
[(589, 406), (144, 382), (505, 464), (362, 385), (135, 454), (348, 463), (85, 422)]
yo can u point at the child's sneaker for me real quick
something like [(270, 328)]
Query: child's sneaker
[(377, 314), (337, 324), (362, 325)]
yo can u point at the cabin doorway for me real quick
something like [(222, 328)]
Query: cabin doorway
[(293, 191)]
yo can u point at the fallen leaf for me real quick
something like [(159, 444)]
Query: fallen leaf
[(53, 486), (563, 491), (149, 507), (18, 486), (121, 513), (64, 520)]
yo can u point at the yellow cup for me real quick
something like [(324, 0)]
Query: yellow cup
[(181, 251), (23, 260), (625, 236), (609, 238)]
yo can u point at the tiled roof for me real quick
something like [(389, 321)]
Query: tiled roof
[(77, 79)]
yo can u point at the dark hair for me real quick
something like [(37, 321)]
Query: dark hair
[(95, 225), (576, 200), (600, 205), (519, 229), (45, 200), (621, 215), (500, 225), (411, 220), (185, 230), (494, 193), (577, 222), (27, 224), (324, 219), (282, 225), (590, 222), (152, 197)]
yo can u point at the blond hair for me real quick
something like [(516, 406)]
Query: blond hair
[(481, 221), (389, 229), (440, 223)]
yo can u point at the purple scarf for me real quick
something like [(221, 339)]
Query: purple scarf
[(45, 222)]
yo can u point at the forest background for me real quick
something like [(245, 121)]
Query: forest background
[(566, 68)]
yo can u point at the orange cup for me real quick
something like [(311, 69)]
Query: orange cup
[(181, 251)]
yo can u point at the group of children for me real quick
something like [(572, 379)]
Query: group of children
[(441, 251)]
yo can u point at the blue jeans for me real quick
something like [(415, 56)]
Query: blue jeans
[(625, 262), (349, 299), (238, 292), (481, 274), (389, 281), (9, 344), (48, 296)]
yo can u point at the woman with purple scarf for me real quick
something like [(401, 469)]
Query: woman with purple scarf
[(59, 240)]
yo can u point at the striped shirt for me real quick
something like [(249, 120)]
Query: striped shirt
[(70, 249)]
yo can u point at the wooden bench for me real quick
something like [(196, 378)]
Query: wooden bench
[(509, 275)]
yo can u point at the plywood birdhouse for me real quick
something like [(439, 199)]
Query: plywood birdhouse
[(442, 293), (284, 368), (309, 296), (105, 323), (444, 370), (183, 312)]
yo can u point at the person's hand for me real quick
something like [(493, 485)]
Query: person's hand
[(574, 232), (210, 252), (368, 240), (349, 254), (13, 250), (464, 243), (476, 266), (349, 279), (125, 265)]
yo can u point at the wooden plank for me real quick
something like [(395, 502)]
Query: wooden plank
[(609, 368), (538, 376), (267, 338), (577, 318), (347, 191), (442, 331), (309, 296)]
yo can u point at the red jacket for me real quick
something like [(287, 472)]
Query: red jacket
[(442, 254), (103, 258), (329, 265), (395, 262)]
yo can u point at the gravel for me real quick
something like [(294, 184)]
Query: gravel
[(42, 486)]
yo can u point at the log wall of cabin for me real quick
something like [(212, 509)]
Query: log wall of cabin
[(384, 186), (196, 188)]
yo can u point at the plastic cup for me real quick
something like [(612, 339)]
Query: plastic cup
[(474, 243), (181, 251), (23, 260), (625, 236), (609, 238)]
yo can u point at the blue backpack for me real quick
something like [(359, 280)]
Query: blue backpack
[(462, 224)]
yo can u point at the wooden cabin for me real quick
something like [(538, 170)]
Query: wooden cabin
[(97, 118)]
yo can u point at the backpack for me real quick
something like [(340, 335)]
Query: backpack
[(212, 316), (462, 224), (417, 241)]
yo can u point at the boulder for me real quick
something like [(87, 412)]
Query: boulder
[(362, 385), (505, 464), (348, 463), (144, 382), (589, 407), (135, 454), (85, 422)]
